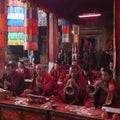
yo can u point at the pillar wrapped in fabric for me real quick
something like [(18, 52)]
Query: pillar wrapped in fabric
[(65, 31), (3, 22), (3, 33), (31, 28), (15, 23)]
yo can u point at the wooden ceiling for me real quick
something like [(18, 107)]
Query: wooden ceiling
[(70, 9)]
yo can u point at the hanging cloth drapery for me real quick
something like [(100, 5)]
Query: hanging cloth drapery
[(31, 28), (65, 31), (15, 23)]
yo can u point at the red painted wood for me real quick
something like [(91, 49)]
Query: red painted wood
[(33, 116), (117, 33), (53, 38), (8, 114)]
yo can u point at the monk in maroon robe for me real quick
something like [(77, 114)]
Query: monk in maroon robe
[(22, 69), (14, 81), (43, 83), (107, 91), (58, 72), (74, 90)]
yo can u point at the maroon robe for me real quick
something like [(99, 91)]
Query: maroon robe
[(101, 95), (47, 85), (78, 97), (17, 83), (59, 76), (26, 73)]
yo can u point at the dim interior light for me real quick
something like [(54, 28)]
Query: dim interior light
[(89, 15)]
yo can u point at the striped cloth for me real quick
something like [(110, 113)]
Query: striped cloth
[(15, 21), (15, 3), (31, 28), (65, 31)]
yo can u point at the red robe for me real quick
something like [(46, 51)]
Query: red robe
[(101, 95), (59, 77), (60, 74), (78, 97), (26, 73), (17, 83), (47, 84)]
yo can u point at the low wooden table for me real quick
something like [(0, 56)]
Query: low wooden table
[(9, 110)]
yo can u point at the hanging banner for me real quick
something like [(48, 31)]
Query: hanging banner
[(65, 31), (15, 18), (31, 28)]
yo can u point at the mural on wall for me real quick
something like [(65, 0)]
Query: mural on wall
[(88, 52)]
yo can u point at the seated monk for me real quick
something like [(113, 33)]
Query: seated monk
[(13, 81), (42, 84), (74, 90), (22, 69), (86, 75), (106, 91), (58, 72)]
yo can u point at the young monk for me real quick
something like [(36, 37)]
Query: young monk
[(107, 90)]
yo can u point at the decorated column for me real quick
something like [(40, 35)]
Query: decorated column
[(53, 39), (3, 34), (117, 34), (75, 52)]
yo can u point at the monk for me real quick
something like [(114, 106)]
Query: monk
[(74, 90), (107, 90), (42, 84), (59, 73), (86, 75), (14, 81), (22, 69)]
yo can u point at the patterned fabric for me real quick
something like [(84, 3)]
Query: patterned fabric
[(31, 28), (65, 31), (15, 23)]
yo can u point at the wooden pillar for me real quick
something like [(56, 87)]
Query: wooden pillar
[(53, 40), (3, 34), (117, 34)]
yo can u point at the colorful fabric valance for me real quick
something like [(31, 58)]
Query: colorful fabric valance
[(65, 31), (16, 9), (16, 35), (15, 22), (15, 16), (15, 29), (15, 42), (15, 3)]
